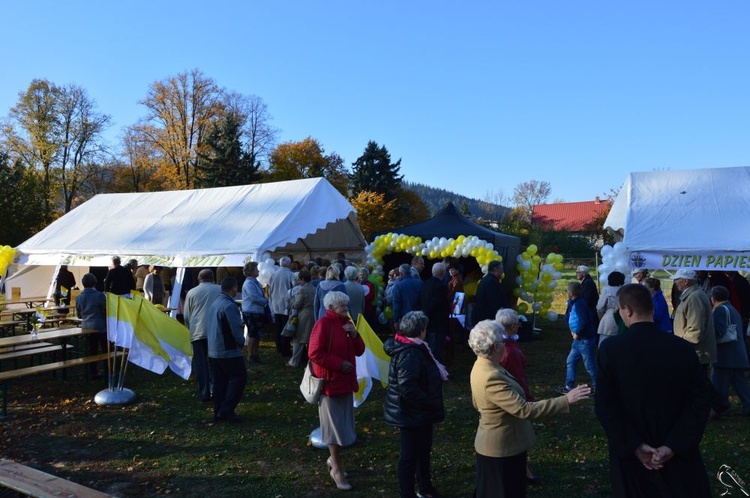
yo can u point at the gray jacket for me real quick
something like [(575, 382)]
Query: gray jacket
[(91, 308), (730, 354), (197, 307), (225, 337), (281, 281)]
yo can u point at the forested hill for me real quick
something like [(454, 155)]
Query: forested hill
[(436, 198)]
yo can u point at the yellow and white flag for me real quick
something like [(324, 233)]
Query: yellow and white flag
[(155, 340), (373, 364)]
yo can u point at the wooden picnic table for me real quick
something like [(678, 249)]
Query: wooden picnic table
[(61, 334), (29, 301)]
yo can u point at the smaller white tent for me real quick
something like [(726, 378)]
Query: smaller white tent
[(685, 219)]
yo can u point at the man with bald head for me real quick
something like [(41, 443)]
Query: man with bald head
[(196, 311)]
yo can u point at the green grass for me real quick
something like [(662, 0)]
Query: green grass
[(165, 443)]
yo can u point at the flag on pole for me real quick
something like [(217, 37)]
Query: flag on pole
[(155, 340), (373, 364)]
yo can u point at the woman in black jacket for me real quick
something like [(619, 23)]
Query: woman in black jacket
[(414, 401)]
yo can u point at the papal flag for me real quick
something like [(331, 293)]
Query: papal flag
[(373, 364), (155, 340)]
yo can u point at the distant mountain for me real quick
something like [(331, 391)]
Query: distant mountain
[(436, 198)]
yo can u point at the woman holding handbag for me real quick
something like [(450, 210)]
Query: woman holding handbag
[(334, 346), (731, 355)]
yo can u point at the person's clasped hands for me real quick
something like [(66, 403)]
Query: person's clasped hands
[(653, 458)]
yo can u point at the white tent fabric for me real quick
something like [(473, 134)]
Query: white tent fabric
[(685, 219), (208, 227)]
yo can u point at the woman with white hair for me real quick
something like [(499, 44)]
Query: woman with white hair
[(414, 401), (334, 346), (331, 283), (505, 433)]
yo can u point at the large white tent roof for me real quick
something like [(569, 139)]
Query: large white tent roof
[(206, 227), (686, 218)]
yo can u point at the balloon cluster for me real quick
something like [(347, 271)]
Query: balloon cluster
[(266, 269), (436, 248), (7, 254), (537, 281), (614, 258)]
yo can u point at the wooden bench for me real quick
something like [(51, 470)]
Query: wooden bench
[(9, 375), (26, 351), (31, 482)]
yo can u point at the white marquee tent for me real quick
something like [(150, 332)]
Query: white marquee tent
[(685, 219), (198, 228)]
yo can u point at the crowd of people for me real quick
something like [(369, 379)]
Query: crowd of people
[(655, 378)]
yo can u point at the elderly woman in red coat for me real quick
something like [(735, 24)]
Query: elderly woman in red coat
[(334, 346)]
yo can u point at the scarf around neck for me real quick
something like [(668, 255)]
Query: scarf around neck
[(416, 340)]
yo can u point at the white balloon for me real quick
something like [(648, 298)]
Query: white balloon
[(551, 316), (622, 266), (619, 248), (519, 280), (536, 306), (603, 277), (606, 251), (270, 262)]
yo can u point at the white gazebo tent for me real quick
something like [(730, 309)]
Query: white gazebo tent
[(224, 226), (694, 219)]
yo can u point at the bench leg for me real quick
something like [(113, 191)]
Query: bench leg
[(5, 399)]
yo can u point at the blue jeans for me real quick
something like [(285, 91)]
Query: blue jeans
[(581, 348)]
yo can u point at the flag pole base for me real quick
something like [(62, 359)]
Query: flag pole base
[(122, 396)]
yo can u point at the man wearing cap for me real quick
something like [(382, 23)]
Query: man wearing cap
[(693, 321), (692, 318), (590, 295), (639, 275)]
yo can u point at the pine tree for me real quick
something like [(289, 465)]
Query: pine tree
[(373, 171), (222, 160)]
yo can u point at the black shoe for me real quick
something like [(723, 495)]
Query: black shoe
[(428, 494), (534, 481)]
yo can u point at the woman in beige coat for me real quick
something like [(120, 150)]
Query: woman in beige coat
[(505, 434)]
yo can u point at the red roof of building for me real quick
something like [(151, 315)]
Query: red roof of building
[(570, 216)]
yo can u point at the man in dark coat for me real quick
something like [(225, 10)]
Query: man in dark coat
[(490, 294), (652, 399), (590, 294), (434, 302), (405, 293), (119, 279), (63, 285)]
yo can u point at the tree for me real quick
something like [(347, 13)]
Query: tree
[(528, 194), (223, 161), (259, 137), (81, 145), (373, 171), (181, 110), (465, 209), (411, 208), (20, 211), (140, 162), (307, 159), (58, 131), (374, 213), (32, 139)]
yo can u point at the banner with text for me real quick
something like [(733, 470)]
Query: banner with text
[(710, 260)]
